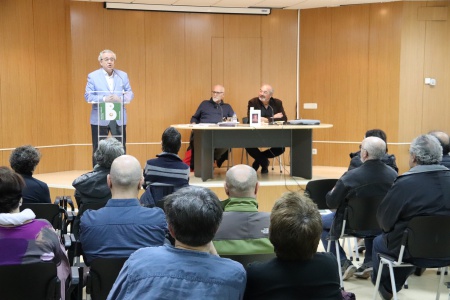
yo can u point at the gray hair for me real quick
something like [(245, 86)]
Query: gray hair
[(24, 159), (426, 149), (375, 146), (241, 181), (108, 150), (106, 51)]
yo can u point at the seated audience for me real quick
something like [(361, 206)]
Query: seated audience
[(123, 225), (214, 110), (298, 271), (189, 270), (24, 161), (243, 229), (166, 168), (24, 239), (374, 174), (423, 190), (445, 144), (91, 189), (388, 159)]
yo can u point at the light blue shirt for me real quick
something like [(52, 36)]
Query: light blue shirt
[(97, 87), (171, 273)]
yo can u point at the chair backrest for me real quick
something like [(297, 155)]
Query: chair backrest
[(103, 273), (48, 211), (318, 189), (362, 206), (37, 281), (429, 237), (247, 259)]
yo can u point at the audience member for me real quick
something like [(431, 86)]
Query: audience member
[(191, 269), (213, 110), (122, 226), (24, 160), (423, 190), (388, 159), (373, 174), (298, 272), (91, 189), (24, 239), (445, 144), (167, 167), (271, 110), (243, 229)]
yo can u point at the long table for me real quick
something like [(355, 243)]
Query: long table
[(210, 136)]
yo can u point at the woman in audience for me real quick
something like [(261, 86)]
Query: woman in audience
[(388, 159), (298, 271), (23, 239), (24, 160)]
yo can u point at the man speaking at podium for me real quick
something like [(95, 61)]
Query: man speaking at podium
[(271, 110), (112, 86)]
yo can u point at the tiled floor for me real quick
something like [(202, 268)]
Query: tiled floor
[(420, 287)]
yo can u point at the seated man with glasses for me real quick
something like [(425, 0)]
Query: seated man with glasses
[(213, 110)]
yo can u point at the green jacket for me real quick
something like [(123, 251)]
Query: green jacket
[(243, 230)]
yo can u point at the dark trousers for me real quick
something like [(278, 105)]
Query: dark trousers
[(104, 130), (400, 274), (263, 157), (219, 153)]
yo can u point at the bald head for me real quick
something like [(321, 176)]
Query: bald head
[(443, 139), (241, 181), (372, 148), (125, 176)]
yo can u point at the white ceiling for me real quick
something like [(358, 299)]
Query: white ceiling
[(286, 4)]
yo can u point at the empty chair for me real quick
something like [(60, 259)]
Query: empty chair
[(318, 189), (102, 275), (53, 213), (425, 243), (37, 281)]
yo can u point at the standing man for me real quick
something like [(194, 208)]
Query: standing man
[(271, 110), (107, 85), (213, 110)]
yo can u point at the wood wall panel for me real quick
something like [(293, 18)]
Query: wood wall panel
[(411, 73), (315, 66), (436, 98), (280, 30), (18, 98), (384, 67)]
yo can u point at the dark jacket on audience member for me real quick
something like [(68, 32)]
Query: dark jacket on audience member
[(388, 159), (373, 172), (423, 190), (35, 191)]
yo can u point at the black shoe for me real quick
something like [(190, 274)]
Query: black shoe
[(265, 167), (264, 170), (255, 165)]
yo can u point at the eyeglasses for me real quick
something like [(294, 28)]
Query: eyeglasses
[(112, 59), (214, 92), (264, 92)]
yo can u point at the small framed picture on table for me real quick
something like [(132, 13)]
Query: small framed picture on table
[(255, 117)]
